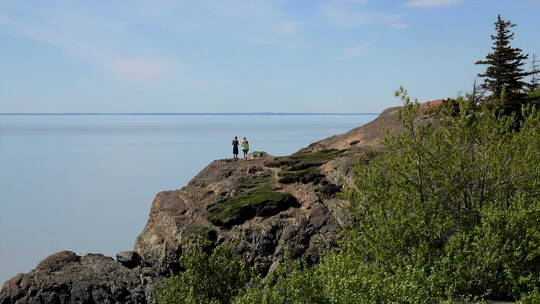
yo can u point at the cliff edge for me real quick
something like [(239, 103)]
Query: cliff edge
[(271, 204)]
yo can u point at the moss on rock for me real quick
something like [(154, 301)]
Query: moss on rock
[(302, 166), (304, 160), (260, 202)]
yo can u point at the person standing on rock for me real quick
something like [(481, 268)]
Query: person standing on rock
[(235, 144), (245, 147)]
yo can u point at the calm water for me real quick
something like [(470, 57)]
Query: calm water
[(85, 183)]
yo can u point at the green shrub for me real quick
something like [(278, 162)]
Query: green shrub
[(448, 212), (214, 278), (455, 202), (500, 258), (531, 298), (291, 283)]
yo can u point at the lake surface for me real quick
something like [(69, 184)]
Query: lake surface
[(86, 183)]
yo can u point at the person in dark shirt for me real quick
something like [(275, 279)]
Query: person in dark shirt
[(235, 144)]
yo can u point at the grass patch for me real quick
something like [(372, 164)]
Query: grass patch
[(304, 160), (254, 181), (263, 201), (305, 176), (302, 166)]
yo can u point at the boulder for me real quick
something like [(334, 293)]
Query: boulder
[(65, 277)]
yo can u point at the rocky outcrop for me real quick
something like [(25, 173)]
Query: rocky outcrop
[(270, 204), (65, 277), (311, 176)]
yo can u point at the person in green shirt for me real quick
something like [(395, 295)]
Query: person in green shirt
[(245, 147)]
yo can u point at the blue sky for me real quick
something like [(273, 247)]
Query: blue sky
[(245, 55)]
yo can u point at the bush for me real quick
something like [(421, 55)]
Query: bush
[(214, 278), (500, 258), (449, 211), (291, 283)]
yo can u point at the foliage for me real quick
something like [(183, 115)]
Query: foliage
[(499, 258), (449, 211), (531, 298), (214, 278), (251, 182), (303, 160), (254, 196), (534, 98), (470, 181), (303, 166), (304, 176), (259, 201), (505, 62), (291, 283), (534, 83)]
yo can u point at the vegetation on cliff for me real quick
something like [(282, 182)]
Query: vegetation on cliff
[(213, 278), (260, 201), (302, 166), (445, 212), (254, 197), (448, 211), (505, 76)]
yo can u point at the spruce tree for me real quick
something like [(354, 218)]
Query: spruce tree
[(504, 73), (534, 84)]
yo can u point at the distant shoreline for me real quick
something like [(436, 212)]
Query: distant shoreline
[(188, 114)]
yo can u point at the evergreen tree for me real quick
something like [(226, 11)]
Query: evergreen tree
[(504, 73), (534, 84)]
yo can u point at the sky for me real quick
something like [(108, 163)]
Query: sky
[(245, 55)]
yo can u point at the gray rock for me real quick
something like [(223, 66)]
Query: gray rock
[(130, 259), (65, 277)]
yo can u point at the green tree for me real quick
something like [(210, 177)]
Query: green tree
[(534, 83), (214, 278), (504, 72)]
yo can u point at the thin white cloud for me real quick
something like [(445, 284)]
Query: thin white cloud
[(106, 43), (432, 3), (108, 33)]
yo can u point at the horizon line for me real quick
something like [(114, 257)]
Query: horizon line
[(181, 113)]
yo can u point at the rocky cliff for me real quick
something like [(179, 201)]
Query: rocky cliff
[(271, 204)]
